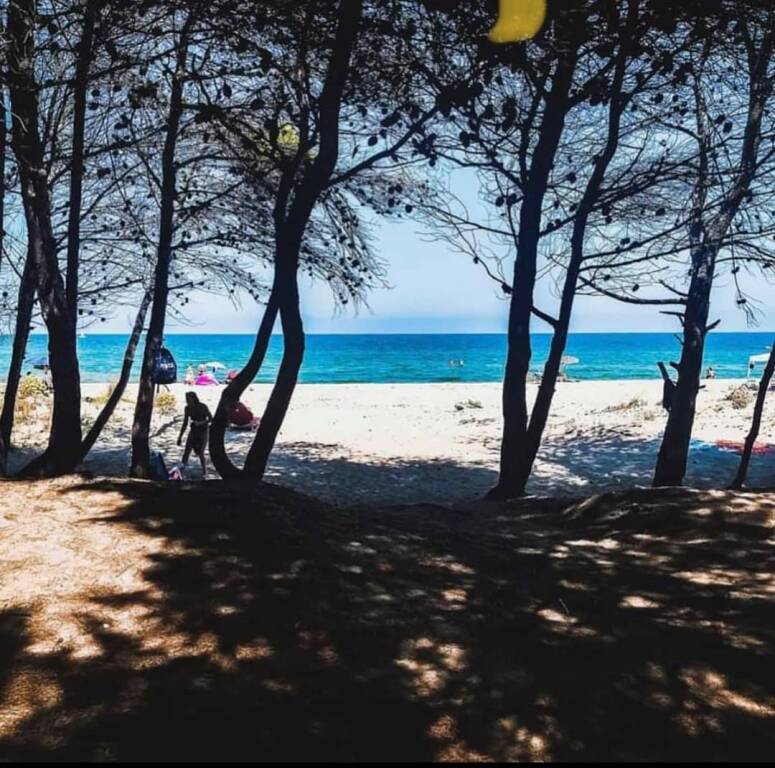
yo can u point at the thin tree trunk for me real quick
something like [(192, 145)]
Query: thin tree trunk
[(289, 234), (546, 389), (3, 150), (707, 239), (287, 376), (674, 450), (758, 410), (141, 427), (24, 307), (65, 435), (5, 436), (126, 370), (232, 393), (515, 410), (80, 85), (543, 402)]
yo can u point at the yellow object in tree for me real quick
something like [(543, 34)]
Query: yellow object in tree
[(518, 20), (288, 136)]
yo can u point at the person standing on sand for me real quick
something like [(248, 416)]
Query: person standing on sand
[(200, 417)]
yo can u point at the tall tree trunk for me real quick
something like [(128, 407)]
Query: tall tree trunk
[(3, 151), (24, 306), (707, 239), (758, 410), (80, 86), (674, 450), (232, 393), (539, 415), (287, 376), (65, 435), (290, 225), (515, 410), (5, 438), (126, 370), (141, 428), (543, 402)]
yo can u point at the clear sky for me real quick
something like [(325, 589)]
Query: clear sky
[(436, 290)]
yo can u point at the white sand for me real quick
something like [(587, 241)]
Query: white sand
[(409, 442)]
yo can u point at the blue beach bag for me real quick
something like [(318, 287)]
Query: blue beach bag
[(164, 369)]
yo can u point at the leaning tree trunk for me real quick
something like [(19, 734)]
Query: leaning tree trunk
[(543, 402), (141, 427), (758, 410), (233, 391), (290, 225), (674, 450), (287, 376), (126, 370), (24, 307), (65, 435), (515, 410)]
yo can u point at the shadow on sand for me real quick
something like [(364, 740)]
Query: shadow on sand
[(265, 625)]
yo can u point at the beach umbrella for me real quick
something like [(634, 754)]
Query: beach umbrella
[(215, 366), (39, 362)]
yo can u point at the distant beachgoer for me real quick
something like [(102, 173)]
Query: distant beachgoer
[(242, 417), (200, 417), (710, 374), (189, 378), (47, 377)]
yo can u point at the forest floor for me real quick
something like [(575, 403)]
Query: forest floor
[(199, 621)]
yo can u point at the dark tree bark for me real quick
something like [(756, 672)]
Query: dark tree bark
[(24, 307), (287, 376), (3, 151), (80, 86), (232, 393), (515, 411), (706, 241), (5, 439), (141, 451), (756, 422), (520, 472), (126, 370), (65, 435), (291, 219)]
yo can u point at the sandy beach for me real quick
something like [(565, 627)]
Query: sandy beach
[(409, 443)]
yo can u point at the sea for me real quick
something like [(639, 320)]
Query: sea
[(416, 358)]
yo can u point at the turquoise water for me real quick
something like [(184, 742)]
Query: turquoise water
[(420, 358)]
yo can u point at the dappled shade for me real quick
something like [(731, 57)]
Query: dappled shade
[(148, 621)]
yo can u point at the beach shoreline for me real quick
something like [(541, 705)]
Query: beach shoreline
[(439, 442)]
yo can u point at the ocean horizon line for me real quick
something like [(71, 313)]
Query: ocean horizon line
[(749, 332)]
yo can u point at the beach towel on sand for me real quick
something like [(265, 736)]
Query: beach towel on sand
[(759, 449)]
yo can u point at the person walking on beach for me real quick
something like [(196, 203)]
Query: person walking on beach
[(200, 417)]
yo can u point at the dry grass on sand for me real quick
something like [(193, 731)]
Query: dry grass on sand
[(142, 621)]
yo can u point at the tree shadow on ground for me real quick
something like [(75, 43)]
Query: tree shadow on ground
[(611, 460), (224, 623)]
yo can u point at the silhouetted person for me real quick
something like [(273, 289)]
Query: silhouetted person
[(200, 417)]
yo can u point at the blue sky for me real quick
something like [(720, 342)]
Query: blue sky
[(436, 290)]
